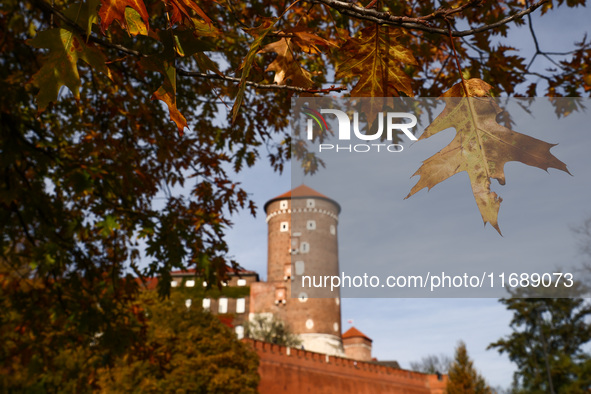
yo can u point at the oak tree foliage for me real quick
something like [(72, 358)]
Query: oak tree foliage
[(124, 122)]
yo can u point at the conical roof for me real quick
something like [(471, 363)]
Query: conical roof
[(302, 191), (355, 333)]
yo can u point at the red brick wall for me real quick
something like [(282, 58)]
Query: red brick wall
[(285, 370)]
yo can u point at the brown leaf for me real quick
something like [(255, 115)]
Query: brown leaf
[(287, 69), (375, 58), (481, 147), (307, 41)]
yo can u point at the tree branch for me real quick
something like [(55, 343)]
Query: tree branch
[(104, 43), (257, 85), (423, 22)]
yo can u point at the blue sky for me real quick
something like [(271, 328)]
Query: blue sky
[(442, 226), (408, 329)]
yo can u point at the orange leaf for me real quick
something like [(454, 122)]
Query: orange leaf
[(114, 10), (180, 9)]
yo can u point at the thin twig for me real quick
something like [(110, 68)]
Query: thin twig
[(453, 47), (257, 85)]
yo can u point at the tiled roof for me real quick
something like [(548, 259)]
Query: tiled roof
[(353, 332), (302, 191)]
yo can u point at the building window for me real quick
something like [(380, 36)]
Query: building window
[(173, 283), (223, 305), (190, 283), (188, 302), (204, 284), (299, 267), (241, 282), (283, 204), (206, 303), (311, 225), (333, 229), (239, 332), (284, 227), (304, 247), (310, 203), (240, 305), (309, 324)]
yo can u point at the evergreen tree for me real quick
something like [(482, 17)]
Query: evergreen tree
[(463, 378)]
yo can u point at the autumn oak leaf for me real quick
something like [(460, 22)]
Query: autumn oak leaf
[(376, 58), (481, 147), (285, 66), (60, 67)]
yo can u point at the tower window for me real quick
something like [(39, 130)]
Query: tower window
[(303, 297), (283, 204), (284, 227), (311, 225), (240, 305), (310, 203), (304, 247), (223, 305), (333, 229)]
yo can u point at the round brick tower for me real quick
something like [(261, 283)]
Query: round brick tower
[(302, 245)]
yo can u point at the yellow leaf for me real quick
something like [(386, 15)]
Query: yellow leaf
[(135, 25), (481, 147)]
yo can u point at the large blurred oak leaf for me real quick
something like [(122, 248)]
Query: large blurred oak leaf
[(114, 10), (481, 147), (60, 66)]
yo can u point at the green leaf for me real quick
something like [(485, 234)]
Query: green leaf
[(259, 33), (85, 14), (60, 67)]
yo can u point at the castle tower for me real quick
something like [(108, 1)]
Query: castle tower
[(302, 241)]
